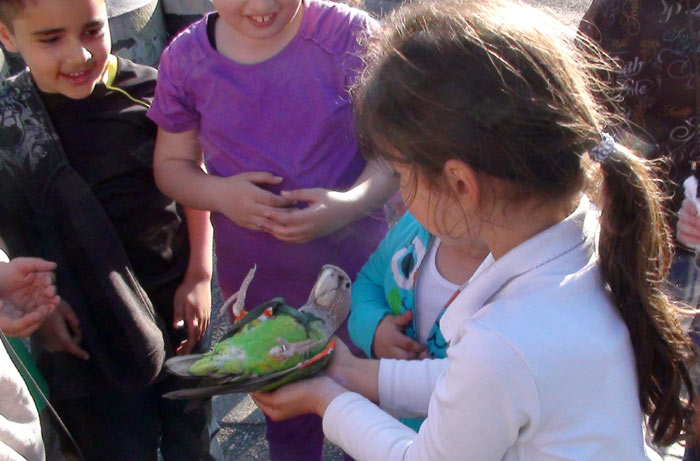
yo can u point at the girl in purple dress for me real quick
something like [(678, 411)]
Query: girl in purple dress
[(259, 91)]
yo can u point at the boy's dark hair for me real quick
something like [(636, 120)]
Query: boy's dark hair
[(9, 10), (501, 87)]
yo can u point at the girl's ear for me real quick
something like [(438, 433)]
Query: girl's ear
[(7, 38), (463, 181)]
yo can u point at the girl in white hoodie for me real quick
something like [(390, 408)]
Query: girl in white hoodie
[(563, 341)]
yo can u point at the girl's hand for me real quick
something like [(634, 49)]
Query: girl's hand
[(247, 204), (389, 341), (327, 211), (299, 398), (688, 228), (192, 310)]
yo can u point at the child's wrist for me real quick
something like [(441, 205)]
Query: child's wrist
[(326, 393), (349, 204), (218, 194), (199, 273)]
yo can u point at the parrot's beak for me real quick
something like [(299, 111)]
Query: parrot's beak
[(331, 281)]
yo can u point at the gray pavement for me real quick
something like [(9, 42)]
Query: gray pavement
[(242, 433)]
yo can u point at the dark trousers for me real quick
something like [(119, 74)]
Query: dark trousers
[(691, 454), (120, 426)]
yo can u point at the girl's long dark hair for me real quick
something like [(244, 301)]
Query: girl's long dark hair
[(502, 87)]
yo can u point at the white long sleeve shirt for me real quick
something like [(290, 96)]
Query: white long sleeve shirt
[(20, 431), (540, 367)]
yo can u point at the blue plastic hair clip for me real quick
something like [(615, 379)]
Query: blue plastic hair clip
[(602, 151)]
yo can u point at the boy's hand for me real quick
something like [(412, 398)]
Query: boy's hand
[(327, 212), (688, 228), (247, 204), (61, 332), (191, 310), (390, 343)]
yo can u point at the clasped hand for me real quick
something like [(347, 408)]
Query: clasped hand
[(246, 203), (391, 343)]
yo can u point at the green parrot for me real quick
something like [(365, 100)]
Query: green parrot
[(273, 344)]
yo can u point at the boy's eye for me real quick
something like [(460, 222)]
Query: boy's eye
[(50, 39), (94, 32)]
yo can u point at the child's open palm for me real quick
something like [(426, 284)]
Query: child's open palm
[(327, 211), (28, 295)]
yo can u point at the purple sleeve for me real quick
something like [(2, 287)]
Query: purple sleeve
[(352, 63), (171, 110)]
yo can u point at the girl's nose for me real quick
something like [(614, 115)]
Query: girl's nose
[(263, 6)]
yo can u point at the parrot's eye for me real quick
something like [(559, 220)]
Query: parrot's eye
[(347, 284)]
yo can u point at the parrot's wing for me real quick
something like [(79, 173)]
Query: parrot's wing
[(278, 306), (242, 384), (273, 304)]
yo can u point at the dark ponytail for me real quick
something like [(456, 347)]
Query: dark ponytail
[(635, 251)]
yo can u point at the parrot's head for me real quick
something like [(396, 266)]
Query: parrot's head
[(331, 293)]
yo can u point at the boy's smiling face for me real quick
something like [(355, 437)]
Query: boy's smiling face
[(65, 43)]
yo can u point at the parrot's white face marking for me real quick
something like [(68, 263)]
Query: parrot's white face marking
[(330, 298), (329, 283)]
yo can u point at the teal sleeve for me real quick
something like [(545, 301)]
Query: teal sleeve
[(369, 304)]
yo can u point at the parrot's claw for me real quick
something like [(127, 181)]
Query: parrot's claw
[(238, 298), (286, 349)]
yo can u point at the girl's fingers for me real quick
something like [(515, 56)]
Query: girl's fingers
[(261, 177), (304, 195), (272, 200), (289, 216)]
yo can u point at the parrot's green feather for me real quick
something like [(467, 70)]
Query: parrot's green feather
[(248, 350)]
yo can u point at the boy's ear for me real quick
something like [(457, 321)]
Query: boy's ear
[(464, 182), (7, 38)]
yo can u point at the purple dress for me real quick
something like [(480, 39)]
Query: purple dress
[(291, 116)]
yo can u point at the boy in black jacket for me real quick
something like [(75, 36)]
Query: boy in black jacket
[(77, 188)]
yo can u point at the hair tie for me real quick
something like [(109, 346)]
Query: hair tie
[(602, 151)]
